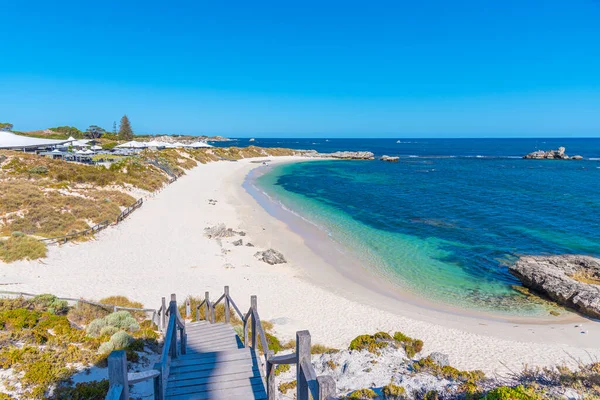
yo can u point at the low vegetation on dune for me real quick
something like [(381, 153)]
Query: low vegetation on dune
[(42, 345), (43, 198)]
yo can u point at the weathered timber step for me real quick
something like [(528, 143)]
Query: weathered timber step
[(244, 382), (215, 367), (237, 393)]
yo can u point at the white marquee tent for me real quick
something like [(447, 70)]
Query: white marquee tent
[(9, 140)]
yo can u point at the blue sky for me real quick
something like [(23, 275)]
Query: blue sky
[(338, 69)]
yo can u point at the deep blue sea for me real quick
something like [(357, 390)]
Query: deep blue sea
[(447, 220)]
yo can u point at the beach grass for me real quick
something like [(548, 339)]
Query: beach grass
[(21, 247)]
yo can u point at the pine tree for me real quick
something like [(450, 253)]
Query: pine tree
[(125, 131)]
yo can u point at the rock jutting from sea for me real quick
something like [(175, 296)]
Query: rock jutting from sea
[(551, 155), (570, 280), (389, 158)]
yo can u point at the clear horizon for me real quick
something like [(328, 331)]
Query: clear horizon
[(429, 70)]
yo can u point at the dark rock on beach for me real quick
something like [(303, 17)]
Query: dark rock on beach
[(238, 242), (551, 155), (570, 280), (271, 257)]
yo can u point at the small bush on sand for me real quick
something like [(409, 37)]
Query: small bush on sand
[(320, 349), (411, 346), (509, 393), (285, 386), (371, 343), (120, 320), (447, 372), (83, 313), (51, 304), (95, 390), (393, 392), (21, 248), (281, 368), (362, 394)]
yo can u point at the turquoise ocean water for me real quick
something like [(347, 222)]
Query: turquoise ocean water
[(446, 221)]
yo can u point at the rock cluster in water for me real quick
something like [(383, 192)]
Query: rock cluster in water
[(570, 280), (551, 155), (389, 158)]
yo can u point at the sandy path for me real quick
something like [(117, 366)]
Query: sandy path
[(160, 249)]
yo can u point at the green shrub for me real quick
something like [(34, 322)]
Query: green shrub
[(121, 340), (362, 394), (509, 393), (447, 372), (285, 386), (393, 392), (371, 343), (95, 390), (411, 346), (51, 304), (39, 170), (109, 325), (281, 368), (19, 319), (431, 395)]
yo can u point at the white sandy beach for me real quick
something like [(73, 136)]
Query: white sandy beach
[(161, 249)]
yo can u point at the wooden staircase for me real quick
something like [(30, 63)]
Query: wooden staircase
[(216, 365), (206, 359)]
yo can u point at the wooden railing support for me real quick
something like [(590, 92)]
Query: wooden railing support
[(327, 388), (227, 316), (207, 315), (270, 377), (303, 356), (173, 310), (253, 305), (163, 315), (117, 372), (188, 308)]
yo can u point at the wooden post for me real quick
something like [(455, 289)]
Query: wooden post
[(163, 315), (254, 333), (117, 372), (327, 387), (207, 314), (158, 383), (271, 392), (188, 309), (303, 354), (173, 314), (227, 317)]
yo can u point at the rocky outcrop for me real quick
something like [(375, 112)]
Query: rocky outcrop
[(270, 257), (570, 280), (342, 155), (551, 155), (389, 158)]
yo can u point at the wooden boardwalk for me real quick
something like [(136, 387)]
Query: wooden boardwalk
[(216, 365)]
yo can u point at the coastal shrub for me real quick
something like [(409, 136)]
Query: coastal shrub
[(362, 394), (108, 330), (281, 368), (20, 247), (94, 390), (121, 340), (371, 343), (509, 393), (393, 392), (411, 346), (431, 395), (51, 304), (285, 386), (428, 365), (39, 170), (19, 319), (320, 349), (120, 320)]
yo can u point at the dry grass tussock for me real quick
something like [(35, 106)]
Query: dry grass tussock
[(21, 247)]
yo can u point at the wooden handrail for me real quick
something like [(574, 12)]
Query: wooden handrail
[(96, 228)]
